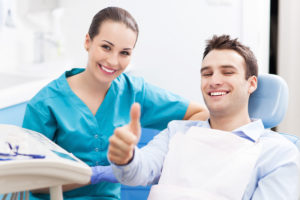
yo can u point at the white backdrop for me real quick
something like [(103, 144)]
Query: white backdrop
[(171, 41)]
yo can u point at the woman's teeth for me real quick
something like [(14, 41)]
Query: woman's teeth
[(107, 70)]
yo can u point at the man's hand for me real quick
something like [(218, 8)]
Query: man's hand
[(124, 139)]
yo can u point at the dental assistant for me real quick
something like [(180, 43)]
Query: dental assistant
[(80, 110)]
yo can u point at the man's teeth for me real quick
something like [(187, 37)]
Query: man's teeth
[(217, 93), (107, 70)]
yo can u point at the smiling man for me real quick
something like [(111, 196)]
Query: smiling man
[(230, 156)]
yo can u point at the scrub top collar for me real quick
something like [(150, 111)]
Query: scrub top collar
[(62, 81)]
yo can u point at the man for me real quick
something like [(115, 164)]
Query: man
[(230, 156)]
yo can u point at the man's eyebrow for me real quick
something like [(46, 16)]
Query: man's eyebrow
[(228, 66), (222, 66), (204, 68)]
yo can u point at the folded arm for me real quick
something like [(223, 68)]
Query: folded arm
[(196, 111)]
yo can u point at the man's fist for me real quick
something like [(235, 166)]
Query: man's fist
[(124, 139)]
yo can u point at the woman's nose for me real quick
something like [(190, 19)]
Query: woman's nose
[(113, 59)]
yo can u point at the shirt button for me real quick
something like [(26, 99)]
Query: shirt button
[(96, 136), (96, 149)]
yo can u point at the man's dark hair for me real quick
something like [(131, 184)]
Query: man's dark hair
[(225, 42)]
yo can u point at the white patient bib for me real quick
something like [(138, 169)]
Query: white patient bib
[(206, 164)]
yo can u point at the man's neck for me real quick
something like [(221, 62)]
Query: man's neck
[(229, 123)]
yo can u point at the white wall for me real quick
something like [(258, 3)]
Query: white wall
[(77, 18), (172, 35), (289, 60)]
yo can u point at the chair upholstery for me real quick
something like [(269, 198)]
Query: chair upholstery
[(270, 102)]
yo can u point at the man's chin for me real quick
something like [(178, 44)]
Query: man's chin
[(218, 111)]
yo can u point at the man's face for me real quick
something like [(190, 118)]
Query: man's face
[(224, 87)]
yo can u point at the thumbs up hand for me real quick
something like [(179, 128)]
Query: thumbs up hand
[(125, 138)]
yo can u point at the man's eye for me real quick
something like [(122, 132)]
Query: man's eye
[(228, 73), (126, 53), (206, 74), (105, 47)]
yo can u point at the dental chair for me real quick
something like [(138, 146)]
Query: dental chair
[(269, 102)]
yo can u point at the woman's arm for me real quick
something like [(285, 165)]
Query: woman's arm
[(196, 111), (99, 174)]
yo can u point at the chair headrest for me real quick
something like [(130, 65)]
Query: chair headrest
[(269, 102)]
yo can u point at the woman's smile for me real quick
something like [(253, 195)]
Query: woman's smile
[(107, 70)]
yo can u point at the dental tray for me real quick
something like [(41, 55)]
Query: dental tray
[(29, 160)]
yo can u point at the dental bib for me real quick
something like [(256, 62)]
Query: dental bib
[(206, 164)]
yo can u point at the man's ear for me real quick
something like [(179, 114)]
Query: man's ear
[(252, 84), (87, 42)]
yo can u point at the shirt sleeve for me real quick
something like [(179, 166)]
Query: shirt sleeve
[(145, 168), (160, 106), (283, 181), (147, 163), (40, 122)]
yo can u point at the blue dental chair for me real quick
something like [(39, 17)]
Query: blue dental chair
[(269, 102)]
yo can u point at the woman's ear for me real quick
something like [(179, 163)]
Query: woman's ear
[(252, 84), (87, 42)]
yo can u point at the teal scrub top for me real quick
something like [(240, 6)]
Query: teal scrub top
[(64, 118)]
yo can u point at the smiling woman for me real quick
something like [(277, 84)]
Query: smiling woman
[(80, 110)]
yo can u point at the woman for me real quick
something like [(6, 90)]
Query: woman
[(80, 110)]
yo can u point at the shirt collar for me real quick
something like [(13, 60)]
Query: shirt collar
[(252, 130)]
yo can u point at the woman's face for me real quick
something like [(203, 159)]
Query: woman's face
[(109, 52)]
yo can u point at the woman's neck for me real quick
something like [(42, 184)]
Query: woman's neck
[(89, 83)]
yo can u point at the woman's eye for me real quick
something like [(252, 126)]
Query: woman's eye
[(126, 53), (105, 47)]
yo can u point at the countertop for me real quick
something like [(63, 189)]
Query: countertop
[(15, 89), (21, 85)]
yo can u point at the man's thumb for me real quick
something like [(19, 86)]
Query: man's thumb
[(135, 114)]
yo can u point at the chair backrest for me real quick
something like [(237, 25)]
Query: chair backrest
[(270, 102)]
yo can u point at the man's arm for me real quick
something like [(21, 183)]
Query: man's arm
[(282, 182), (131, 165), (196, 111)]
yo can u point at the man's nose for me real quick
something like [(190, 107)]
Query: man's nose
[(216, 79)]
